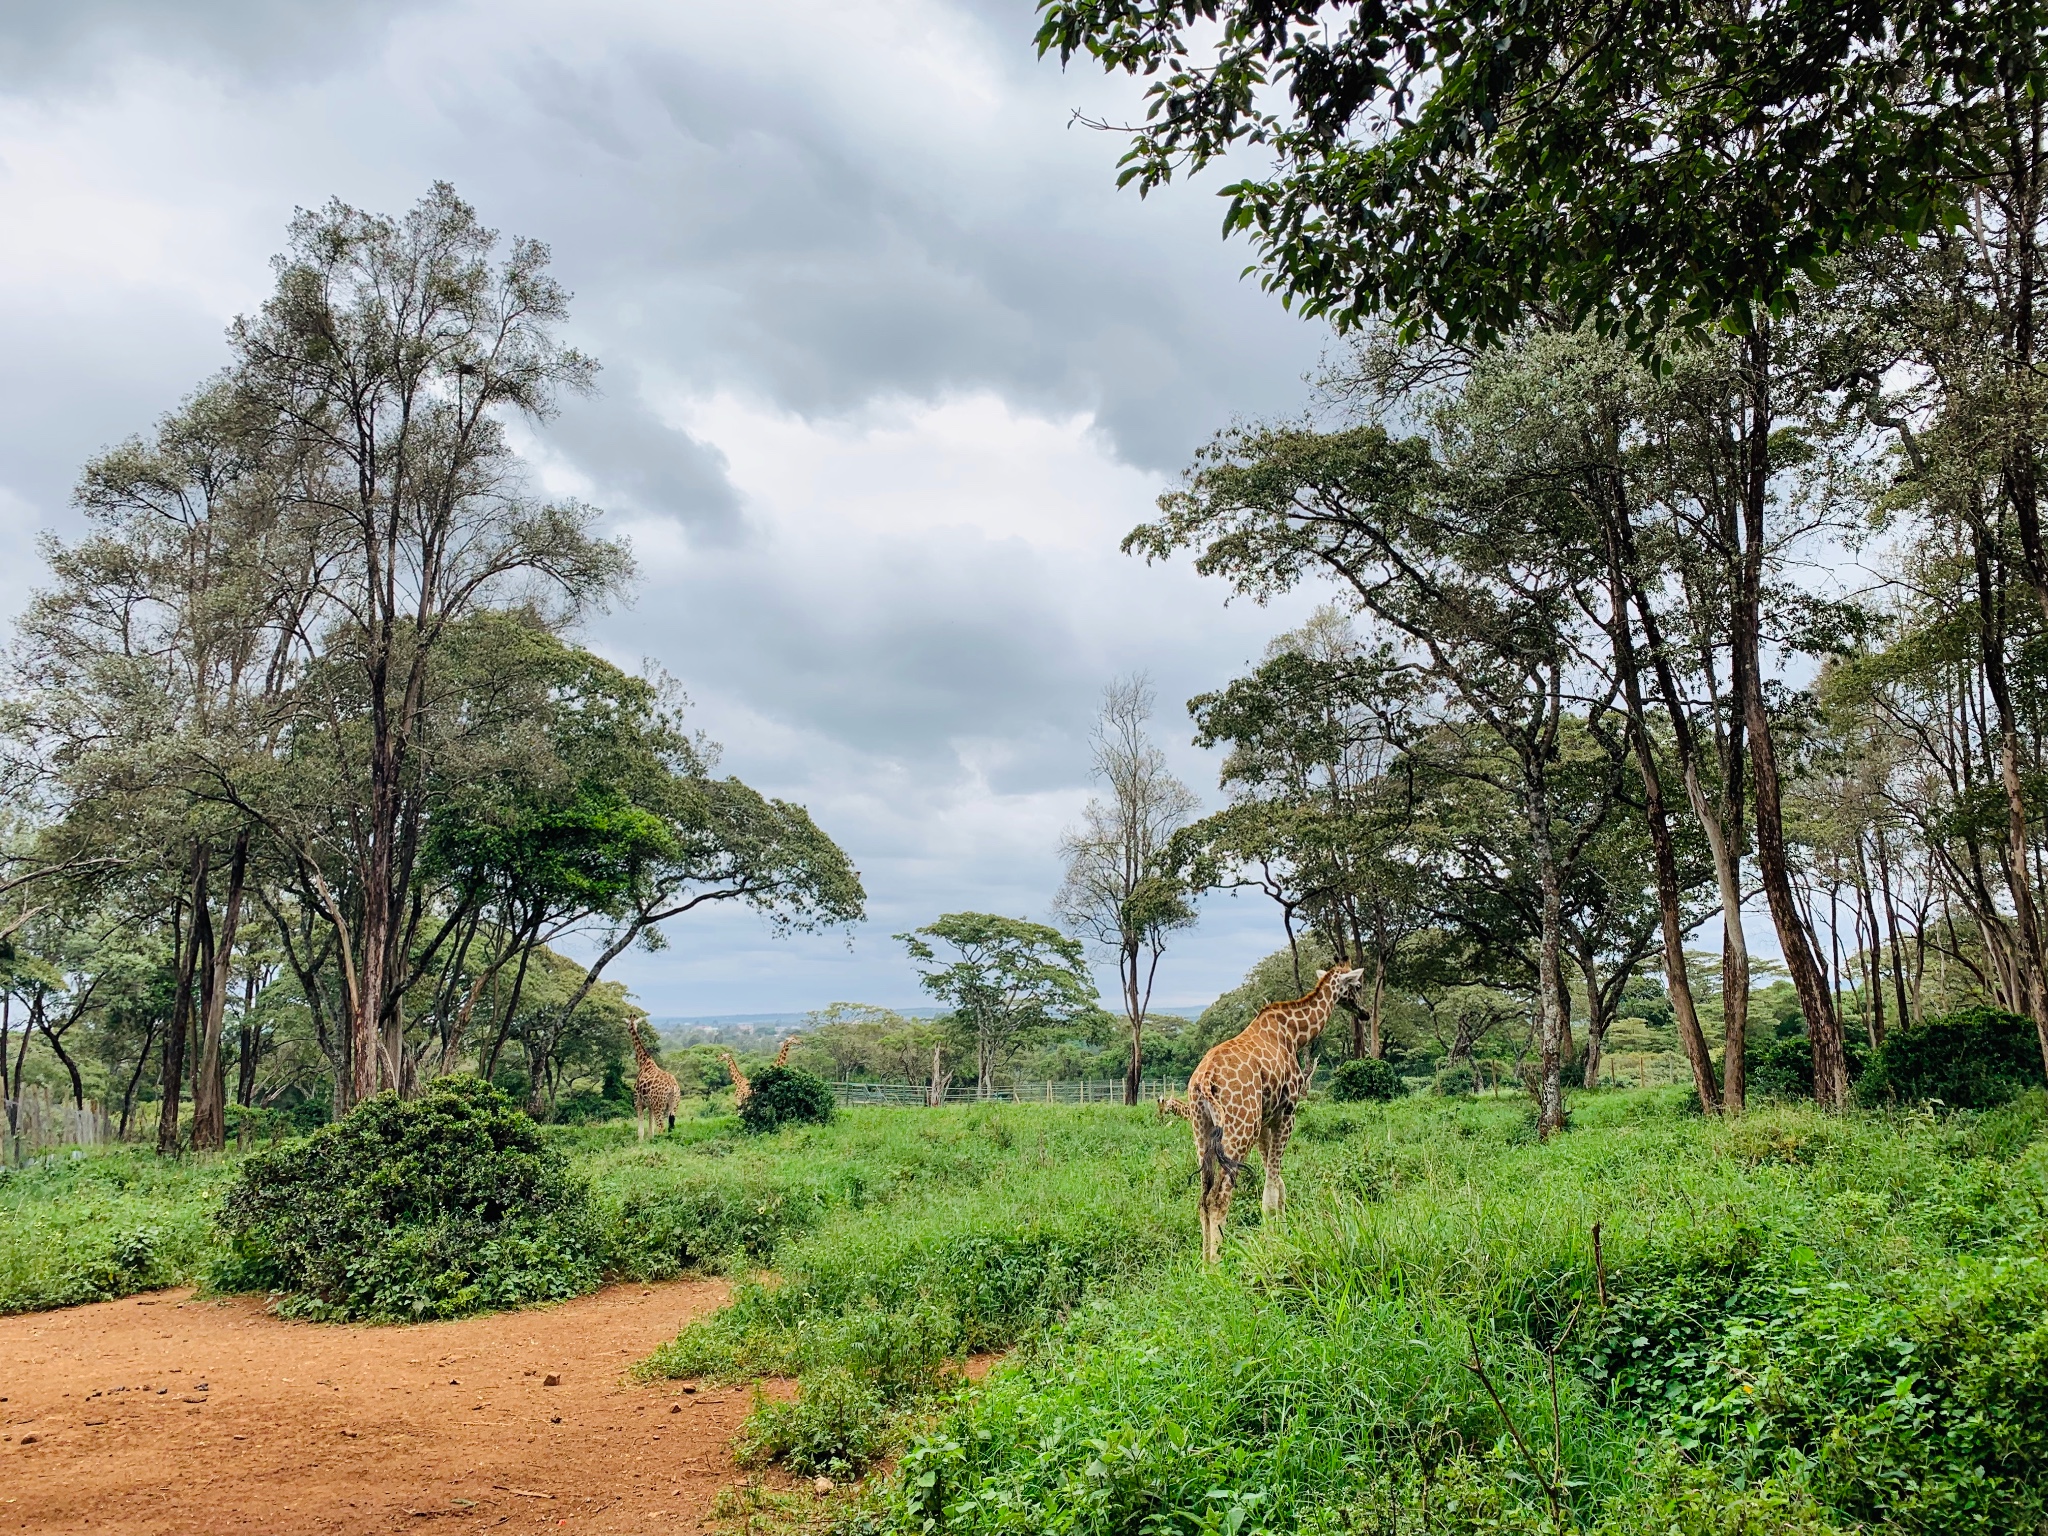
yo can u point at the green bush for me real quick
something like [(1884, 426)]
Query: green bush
[(787, 1096), (837, 1426), (1367, 1079), (1460, 1078), (448, 1204), (1779, 1067), (1974, 1058)]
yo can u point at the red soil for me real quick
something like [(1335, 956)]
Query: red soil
[(165, 1414)]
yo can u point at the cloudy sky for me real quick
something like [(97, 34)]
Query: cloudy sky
[(889, 368)]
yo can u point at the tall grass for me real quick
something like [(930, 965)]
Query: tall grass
[(1808, 1322), (116, 1221)]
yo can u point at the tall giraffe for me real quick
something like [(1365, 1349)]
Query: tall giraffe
[(1246, 1089), (656, 1095), (741, 1088), (782, 1056)]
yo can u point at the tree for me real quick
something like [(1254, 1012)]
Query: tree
[(1326, 813), (1460, 166), (1119, 890), (1008, 981), (1445, 539), (1466, 172), (390, 356)]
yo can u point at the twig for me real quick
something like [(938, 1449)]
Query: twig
[(1478, 1368), (524, 1493), (1599, 1267)]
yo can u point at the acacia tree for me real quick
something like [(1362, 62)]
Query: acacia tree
[(1119, 890), (1008, 981), (1463, 170), (1327, 813), (1430, 535), (391, 355)]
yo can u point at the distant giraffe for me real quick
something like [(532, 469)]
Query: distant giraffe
[(656, 1095), (1171, 1108), (741, 1088), (782, 1056), (1246, 1089)]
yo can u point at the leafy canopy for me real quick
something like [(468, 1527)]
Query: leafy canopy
[(1641, 161)]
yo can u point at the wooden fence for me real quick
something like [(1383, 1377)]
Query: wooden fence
[(40, 1122)]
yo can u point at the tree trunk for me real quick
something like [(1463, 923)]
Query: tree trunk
[(2030, 993), (135, 1077), (209, 1083), (1727, 864), (1550, 1114), (1664, 855), (8, 1096), (1823, 1024), (56, 1039), (1891, 922), (1873, 1009), (172, 1079), (373, 1069), (1596, 1014), (1376, 1046), (249, 1044), (1134, 1007)]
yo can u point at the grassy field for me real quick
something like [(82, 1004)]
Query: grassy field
[(1798, 1322)]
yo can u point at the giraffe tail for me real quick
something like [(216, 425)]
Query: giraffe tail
[(1218, 1167)]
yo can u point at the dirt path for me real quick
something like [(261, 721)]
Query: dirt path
[(166, 1414)]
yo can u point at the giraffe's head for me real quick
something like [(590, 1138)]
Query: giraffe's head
[(1349, 981)]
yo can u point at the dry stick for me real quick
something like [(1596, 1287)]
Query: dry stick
[(1478, 1368), (1599, 1267)]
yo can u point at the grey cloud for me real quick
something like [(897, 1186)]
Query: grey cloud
[(638, 463), (774, 244), (47, 44), (902, 654), (731, 230)]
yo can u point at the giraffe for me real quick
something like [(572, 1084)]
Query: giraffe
[(656, 1095), (1246, 1090), (1171, 1108), (741, 1088), (782, 1056)]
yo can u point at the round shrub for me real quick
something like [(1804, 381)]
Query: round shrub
[(435, 1207), (1777, 1067), (1367, 1078), (1781, 1067), (1973, 1058), (787, 1096), (1458, 1078)]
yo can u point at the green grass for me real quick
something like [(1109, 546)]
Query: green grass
[(706, 1198), (1811, 1323), (116, 1221)]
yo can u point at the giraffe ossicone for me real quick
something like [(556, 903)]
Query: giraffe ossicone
[(1246, 1090)]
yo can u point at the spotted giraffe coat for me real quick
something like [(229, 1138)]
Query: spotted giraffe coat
[(1245, 1092), (656, 1095)]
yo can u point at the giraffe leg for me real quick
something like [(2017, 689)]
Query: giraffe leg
[(1215, 1211), (1272, 1147)]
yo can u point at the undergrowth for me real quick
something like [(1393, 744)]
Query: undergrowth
[(117, 1221), (1809, 1323)]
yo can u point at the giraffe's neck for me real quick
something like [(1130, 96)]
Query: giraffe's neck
[(1302, 1022), (641, 1055)]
